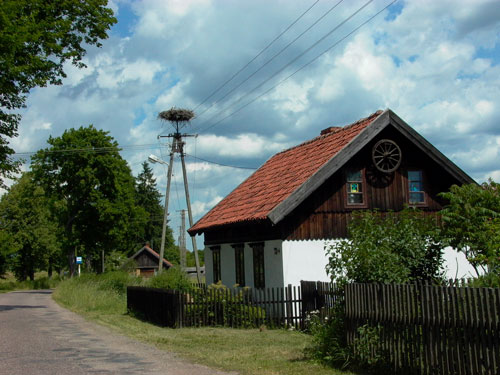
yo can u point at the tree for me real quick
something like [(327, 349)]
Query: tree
[(31, 230), (149, 198), (471, 223), (92, 191), (36, 38), (387, 248)]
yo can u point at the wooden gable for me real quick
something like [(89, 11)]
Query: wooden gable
[(148, 258)]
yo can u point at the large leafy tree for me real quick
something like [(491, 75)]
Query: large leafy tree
[(471, 223), (387, 248), (92, 191), (37, 37), (30, 231)]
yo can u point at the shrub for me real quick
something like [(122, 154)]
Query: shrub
[(329, 344), (224, 307), (115, 281), (173, 278)]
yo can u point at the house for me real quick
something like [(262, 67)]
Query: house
[(147, 262), (271, 230)]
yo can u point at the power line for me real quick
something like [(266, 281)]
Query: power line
[(272, 58), (295, 72), (92, 149), (222, 165), (260, 53), (292, 61)]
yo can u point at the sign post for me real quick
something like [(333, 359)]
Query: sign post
[(79, 261)]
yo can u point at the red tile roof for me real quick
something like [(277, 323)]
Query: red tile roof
[(279, 177)]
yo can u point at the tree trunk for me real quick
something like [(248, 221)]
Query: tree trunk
[(49, 270), (71, 262)]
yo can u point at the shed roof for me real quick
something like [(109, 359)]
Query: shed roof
[(288, 177), (147, 249)]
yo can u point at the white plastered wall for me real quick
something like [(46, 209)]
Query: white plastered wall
[(304, 260), (289, 262), (273, 264), (456, 265)]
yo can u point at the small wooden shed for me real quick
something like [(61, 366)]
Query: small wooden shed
[(147, 262)]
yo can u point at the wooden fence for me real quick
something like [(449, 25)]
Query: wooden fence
[(240, 307), (426, 329)]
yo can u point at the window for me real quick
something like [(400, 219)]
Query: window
[(239, 266), (259, 280), (416, 187), (216, 263), (355, 188)]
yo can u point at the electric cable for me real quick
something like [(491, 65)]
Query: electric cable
[(298, 70), (272, 58), (220, 164), (292, 61), (260, 53)]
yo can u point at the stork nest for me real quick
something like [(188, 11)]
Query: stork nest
[(176, 115)]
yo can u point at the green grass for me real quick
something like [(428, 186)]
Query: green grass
[(247, 351), (9, 283)]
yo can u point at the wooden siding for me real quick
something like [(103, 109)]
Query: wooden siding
[(146, 260), (325, 214)]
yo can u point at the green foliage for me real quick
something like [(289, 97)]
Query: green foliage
[(173, 278), (367, 351), (116, 281), (471, 223), (36, 38), (224, 306), (387, 248), (95, 294), (30, 238), (43, 282), (329, 344), (92, 194), (488, 280)]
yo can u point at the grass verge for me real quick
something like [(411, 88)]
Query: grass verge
[(9, 283), (247, 351)]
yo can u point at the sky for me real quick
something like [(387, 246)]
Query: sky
[(434, 63)]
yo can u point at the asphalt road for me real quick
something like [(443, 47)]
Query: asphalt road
[(37, 336)]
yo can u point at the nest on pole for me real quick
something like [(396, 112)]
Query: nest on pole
[(177, 116)]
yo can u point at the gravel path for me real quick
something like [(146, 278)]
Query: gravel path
[(37, 336)]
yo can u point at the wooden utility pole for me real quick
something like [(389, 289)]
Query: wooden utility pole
[(165, 213), (178, 118), (182, 239)]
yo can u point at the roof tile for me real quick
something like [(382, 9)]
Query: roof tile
[(279, 177)]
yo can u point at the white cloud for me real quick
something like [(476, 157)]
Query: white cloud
[(242, 145)]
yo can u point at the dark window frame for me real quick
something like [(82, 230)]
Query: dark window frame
[(239, 263), (409, 192), (347, 182), (259, 270), (216, 264)]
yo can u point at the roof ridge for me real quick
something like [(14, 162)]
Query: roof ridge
[(341, 129)]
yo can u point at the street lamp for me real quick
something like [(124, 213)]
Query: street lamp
[(155, 159)]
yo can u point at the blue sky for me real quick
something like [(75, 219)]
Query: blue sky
[(435, 63)]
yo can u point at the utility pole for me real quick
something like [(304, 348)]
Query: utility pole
[(178, 118), (182, 239)]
